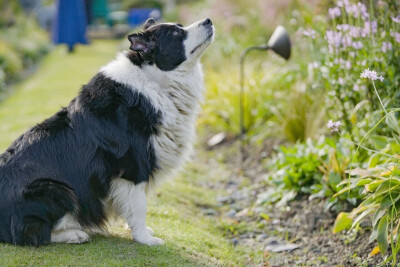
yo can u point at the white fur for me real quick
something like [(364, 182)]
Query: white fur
[(68, 230), (129, 200), (66, 223), (169, 91), (70, 236), (197, 35)]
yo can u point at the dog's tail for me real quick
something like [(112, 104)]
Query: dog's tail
[(45, 201)]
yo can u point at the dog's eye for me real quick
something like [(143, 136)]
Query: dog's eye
[(175, 33)]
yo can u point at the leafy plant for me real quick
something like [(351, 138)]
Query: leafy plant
[(313, 169), (381, 182), (22, 44), (381, 195)]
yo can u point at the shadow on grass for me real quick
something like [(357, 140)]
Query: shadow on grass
[(101, 251)]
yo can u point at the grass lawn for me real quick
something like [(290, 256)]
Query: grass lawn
[(174, 212)]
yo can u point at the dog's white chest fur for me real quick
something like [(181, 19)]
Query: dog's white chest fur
[(176, 94)]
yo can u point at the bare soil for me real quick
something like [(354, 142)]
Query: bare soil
[(302, 222)]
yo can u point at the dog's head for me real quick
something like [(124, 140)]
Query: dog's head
[(169, 45)]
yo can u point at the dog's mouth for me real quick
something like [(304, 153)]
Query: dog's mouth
[(208, 39)]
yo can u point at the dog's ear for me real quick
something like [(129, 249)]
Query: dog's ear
[(149, 22), (139, 43)]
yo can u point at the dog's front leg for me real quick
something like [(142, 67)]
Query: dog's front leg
[(131, 201), (137, 219)]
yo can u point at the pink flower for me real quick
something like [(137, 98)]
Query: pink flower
[(370, 27), (357, 45), (309, 33), (348, 64), (334, 12), (352, 10), (347, 41), (396, 19), (371, 74), (363, 10), (396, 36), (343, 27), (334, 38), (333, 126), (386, 46), (342, 3)]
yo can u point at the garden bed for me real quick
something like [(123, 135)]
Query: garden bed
[(302, 222)]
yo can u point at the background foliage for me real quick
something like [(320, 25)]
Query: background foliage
[(22, 42)]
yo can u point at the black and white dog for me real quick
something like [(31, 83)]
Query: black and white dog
[(131, 125)]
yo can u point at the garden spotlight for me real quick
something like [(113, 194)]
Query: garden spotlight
[(280, 44)]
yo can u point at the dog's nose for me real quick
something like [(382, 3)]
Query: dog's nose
[(207, 22)]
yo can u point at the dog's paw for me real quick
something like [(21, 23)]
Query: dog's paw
[(79, 237), (70, 237), (150, 231), (149, 240)]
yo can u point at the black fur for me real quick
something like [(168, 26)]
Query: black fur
[(161, 44), (66, 163)]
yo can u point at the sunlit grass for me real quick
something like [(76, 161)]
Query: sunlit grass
[(174, 214)]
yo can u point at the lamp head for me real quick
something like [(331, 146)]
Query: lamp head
[(280, 43)]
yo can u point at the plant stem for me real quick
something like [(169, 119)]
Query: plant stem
[(376, 92)]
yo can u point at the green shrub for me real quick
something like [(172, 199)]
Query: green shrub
[(381, 182), (21, 45), (10, 62), (313, 169), (381, 197)]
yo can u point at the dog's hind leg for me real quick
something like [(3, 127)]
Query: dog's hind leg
[(131, 203), (45, 202), (68, 230), (70, 236)]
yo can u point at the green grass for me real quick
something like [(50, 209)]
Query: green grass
[(174, 212)]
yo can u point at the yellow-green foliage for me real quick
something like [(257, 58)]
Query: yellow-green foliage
[(10, 62), (277, 94), (21, 45)]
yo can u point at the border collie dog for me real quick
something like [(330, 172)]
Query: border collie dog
[(131, 125)]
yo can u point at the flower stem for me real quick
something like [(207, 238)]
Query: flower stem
[(376, 92)]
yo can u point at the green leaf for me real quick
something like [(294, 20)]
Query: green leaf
[(374, 160), (371, 187), (386, 187), (374, 234), (363, 182), (380, 142), (265, 216), (391, 121), (382, 236), (362, 216), (342, 222), (378, 214)]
